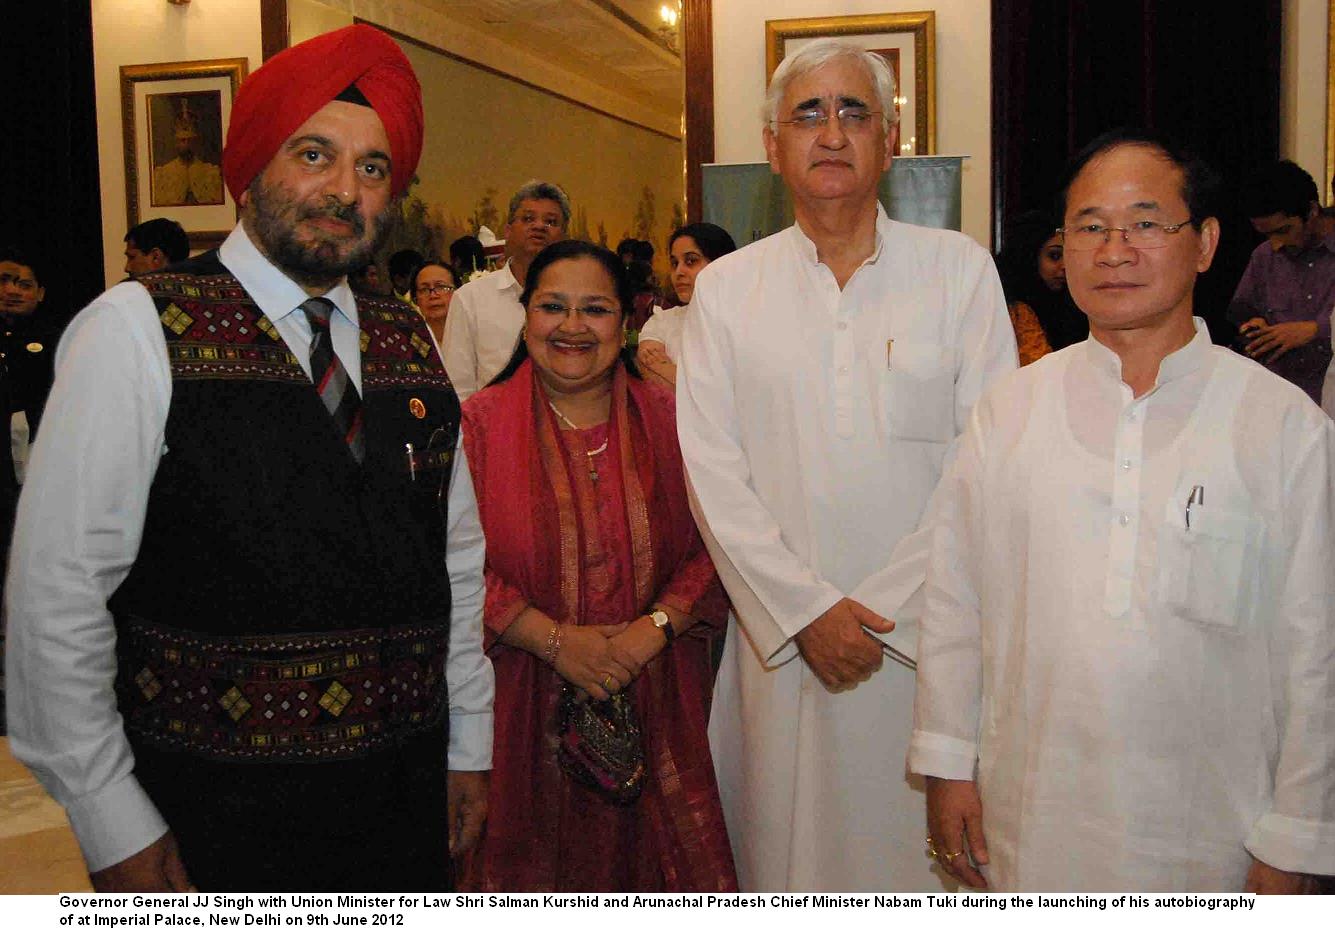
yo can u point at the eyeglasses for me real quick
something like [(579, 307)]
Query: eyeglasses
[(427, 290), (593, 311), (850, 119), (548, 221), (1143, 235)]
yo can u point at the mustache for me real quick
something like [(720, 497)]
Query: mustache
[(332, 208)]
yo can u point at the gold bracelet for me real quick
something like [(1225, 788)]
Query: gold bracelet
[(554, 638)]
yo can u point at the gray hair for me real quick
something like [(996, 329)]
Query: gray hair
[(535, 190), (821, 53)]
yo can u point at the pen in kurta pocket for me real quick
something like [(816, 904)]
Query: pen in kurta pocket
[(1197, 497)]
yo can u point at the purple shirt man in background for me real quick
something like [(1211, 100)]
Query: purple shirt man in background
[(1284, 300)]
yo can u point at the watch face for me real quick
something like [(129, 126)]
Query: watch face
[(659, 618)]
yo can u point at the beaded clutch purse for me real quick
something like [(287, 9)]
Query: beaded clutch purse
[(600, 744)]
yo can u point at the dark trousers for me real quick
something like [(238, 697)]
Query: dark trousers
[(376, 823)]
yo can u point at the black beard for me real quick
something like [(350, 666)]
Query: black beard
[(274, 215)]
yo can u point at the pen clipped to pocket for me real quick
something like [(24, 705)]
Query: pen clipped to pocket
[(435, 456)]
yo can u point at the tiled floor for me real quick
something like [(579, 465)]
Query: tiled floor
[(38, 853)]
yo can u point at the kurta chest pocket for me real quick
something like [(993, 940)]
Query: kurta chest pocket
[(1205, 569), (918, 391)]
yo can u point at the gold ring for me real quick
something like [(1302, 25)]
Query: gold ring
[(950, 856), (607, 682)]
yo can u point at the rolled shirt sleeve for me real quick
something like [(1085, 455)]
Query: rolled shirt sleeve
[(1297, 833), (946, 708)]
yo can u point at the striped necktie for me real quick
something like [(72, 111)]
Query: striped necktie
[(331, 379)]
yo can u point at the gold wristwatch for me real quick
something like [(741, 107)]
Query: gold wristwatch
[(661, 621)]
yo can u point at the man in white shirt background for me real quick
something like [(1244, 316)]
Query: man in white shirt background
[(1125, 673), (245, 630), (485, 317), (825, 372)]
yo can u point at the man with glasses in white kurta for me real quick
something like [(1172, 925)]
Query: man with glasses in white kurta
[(825, 372), (1127, 662)]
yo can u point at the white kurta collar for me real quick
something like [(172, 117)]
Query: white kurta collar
[(806, 248), (276, 294), (1181, 362)]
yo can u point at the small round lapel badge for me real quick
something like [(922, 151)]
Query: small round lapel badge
[(34, 347), (417, 408)]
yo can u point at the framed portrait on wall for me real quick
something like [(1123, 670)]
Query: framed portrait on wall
[(907, 41), (174, 118)]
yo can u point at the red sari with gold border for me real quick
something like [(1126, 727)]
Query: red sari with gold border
[(594, 550)]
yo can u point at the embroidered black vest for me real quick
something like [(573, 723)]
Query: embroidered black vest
[(287, 603)]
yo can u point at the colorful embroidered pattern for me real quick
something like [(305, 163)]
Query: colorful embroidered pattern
[(310, 696), (215, 331), (396, 348)]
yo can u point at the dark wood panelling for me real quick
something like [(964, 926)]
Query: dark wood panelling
[(698, 62), (273, 27)]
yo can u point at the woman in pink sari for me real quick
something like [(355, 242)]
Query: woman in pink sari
[(598, 586)]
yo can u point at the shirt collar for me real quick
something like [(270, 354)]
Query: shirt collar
[(806, 248), (1181, 362), (507, 278), (276, 294)]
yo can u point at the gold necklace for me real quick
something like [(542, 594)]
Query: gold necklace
[(589, 454)]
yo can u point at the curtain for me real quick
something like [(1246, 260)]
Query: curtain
[(49, 188), (1064, 71)]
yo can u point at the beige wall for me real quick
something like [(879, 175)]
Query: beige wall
[(603, 164), (1302, 120), (963, 83), (307, 18), (151, 31), (428, 21), (487, 132), (130, 32), (480, 127)]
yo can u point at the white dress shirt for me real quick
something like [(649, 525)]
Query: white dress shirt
[(80, 521), (482, 330), (1145, 686), (665, 327), (814, 423)]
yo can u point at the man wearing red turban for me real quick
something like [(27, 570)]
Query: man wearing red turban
[(245, 620)]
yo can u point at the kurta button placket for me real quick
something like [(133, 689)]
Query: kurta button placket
[(1125, 502), (844, 356)]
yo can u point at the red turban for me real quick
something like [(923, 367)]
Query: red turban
[(298, 82)]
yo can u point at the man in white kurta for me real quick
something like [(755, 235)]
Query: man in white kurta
[(1128, 621), (825, 372)]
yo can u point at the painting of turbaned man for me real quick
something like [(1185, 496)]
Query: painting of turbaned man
[(185, 129)]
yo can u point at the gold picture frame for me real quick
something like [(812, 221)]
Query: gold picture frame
[(173, 119), (913, 35)]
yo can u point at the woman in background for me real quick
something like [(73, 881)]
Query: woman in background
[(601, 602), (690, 248), (1033, 276), (433, 286)]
